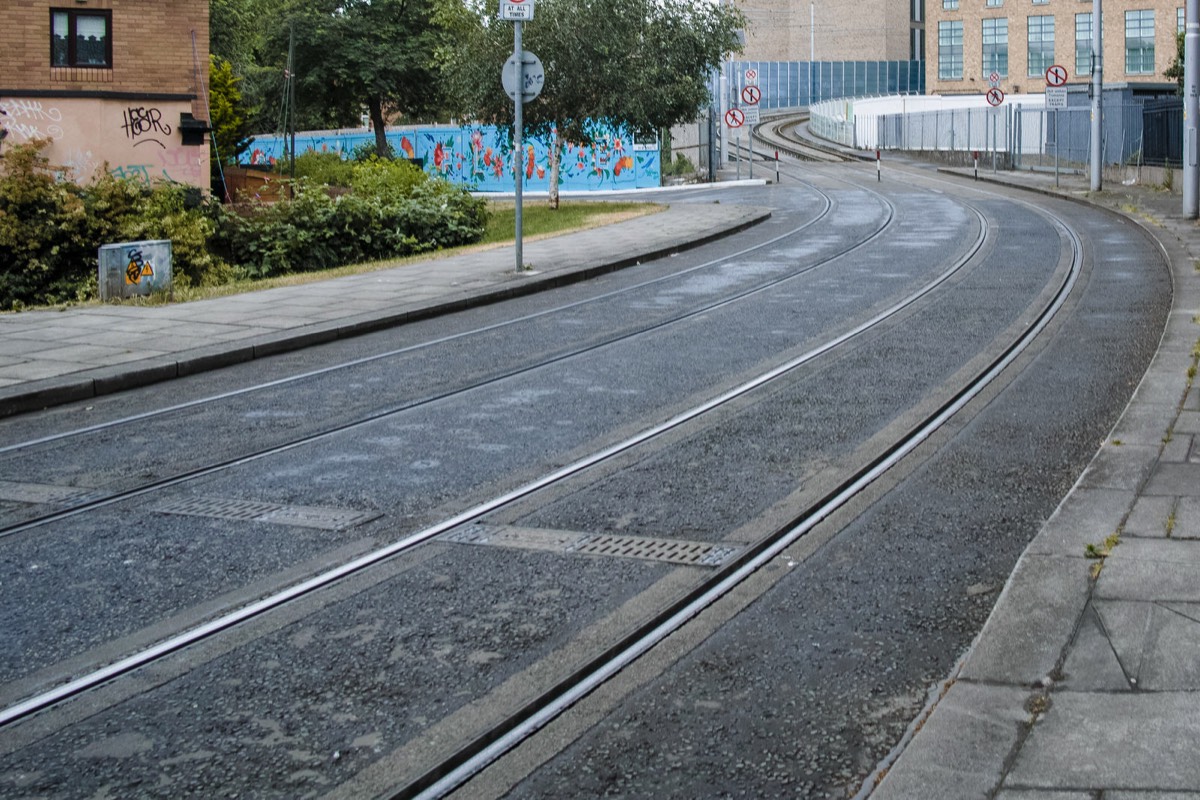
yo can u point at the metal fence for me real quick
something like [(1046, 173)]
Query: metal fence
[(1134, 133)]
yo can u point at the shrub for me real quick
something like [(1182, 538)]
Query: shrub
[(394, 209), (46, 243), (327, 169)]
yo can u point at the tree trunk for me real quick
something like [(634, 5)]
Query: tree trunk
[(375, 109), (555, 160)]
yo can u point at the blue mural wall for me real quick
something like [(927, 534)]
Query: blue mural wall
[(481, 157)]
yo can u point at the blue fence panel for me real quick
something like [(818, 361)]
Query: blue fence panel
[(481, 157)]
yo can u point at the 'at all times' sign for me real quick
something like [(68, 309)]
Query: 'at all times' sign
[(516, 10)]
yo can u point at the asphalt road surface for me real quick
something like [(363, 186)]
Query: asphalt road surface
[(551, 474)]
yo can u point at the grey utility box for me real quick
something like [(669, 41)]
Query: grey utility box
[(128, 269)]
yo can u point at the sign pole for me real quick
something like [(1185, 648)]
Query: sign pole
[(1097, 143), (518, 149), (1191, 110), (1056, 148)]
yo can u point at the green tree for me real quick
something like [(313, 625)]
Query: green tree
[(1175, 71), (238, 34), (230, 115), (373, 53), (641, 65)]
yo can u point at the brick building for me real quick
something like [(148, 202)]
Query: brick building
[(834, 30), (116, 83), (1019, 39)]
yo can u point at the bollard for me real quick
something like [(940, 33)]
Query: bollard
[(878, 168), (975, 155), (776, 166)]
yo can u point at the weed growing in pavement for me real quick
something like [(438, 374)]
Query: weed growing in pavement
[(1102, 551), (1171, 523)]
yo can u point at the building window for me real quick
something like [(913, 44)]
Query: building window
[(1139, 42), (1180, 20), (950, 5), (950, 50), (994, 3), (1041, 2), (995, 47), (1083, 44), (80, 38), (1041, 44)]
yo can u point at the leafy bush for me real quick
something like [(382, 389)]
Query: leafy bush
[(393, 210), (45, 232), (50, 230), (322, 168), (682, 165)]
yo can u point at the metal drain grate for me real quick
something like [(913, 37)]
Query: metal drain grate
[(43, 493), (330, 519), (671, 551)]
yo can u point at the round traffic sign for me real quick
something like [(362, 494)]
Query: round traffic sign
[(995, 97), (752, 75), (1056, 75), (533, 73), (751, 95), (994, 78), (734, 118)]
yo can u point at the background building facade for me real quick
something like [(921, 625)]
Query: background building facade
[(116, 84), (968, 40), (834, 30)]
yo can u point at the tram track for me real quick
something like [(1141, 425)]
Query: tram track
[(82, 683), (442, 777)]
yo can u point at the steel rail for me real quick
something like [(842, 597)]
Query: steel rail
[(93, 503), (95, 678), (473, 759)]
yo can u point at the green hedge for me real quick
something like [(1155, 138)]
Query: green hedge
[(50, 230)]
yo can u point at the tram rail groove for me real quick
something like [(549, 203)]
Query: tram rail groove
[(146, 656), (93, 502), (473, 759)]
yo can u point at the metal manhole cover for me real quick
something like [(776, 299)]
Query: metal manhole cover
[(330, 519)]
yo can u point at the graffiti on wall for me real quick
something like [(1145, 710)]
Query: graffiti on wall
[(31, 119), (482, 157), (144, 125), (89, 134)]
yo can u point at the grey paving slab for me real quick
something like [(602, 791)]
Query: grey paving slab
[(1178, 448), (1118, 794), (1034, 618), (1151, 569), (960, 752), (1187, 519), (1125, 465), (1086, 516), (1150, 516), (1188, 422), (1091, 663), (1192, 401), (1174, 479), (1146, 423), (1038, 794), (1136, 741)]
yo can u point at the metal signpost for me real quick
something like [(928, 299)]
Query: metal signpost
[(1191, 110), (515, 81), (1056, 98), (994, 97), (750, 96), (735, 119)]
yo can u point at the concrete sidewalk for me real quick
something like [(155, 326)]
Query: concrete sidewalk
[(52, 357), (1085, 682)]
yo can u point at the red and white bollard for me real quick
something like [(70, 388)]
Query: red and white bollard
[(878, 167)]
